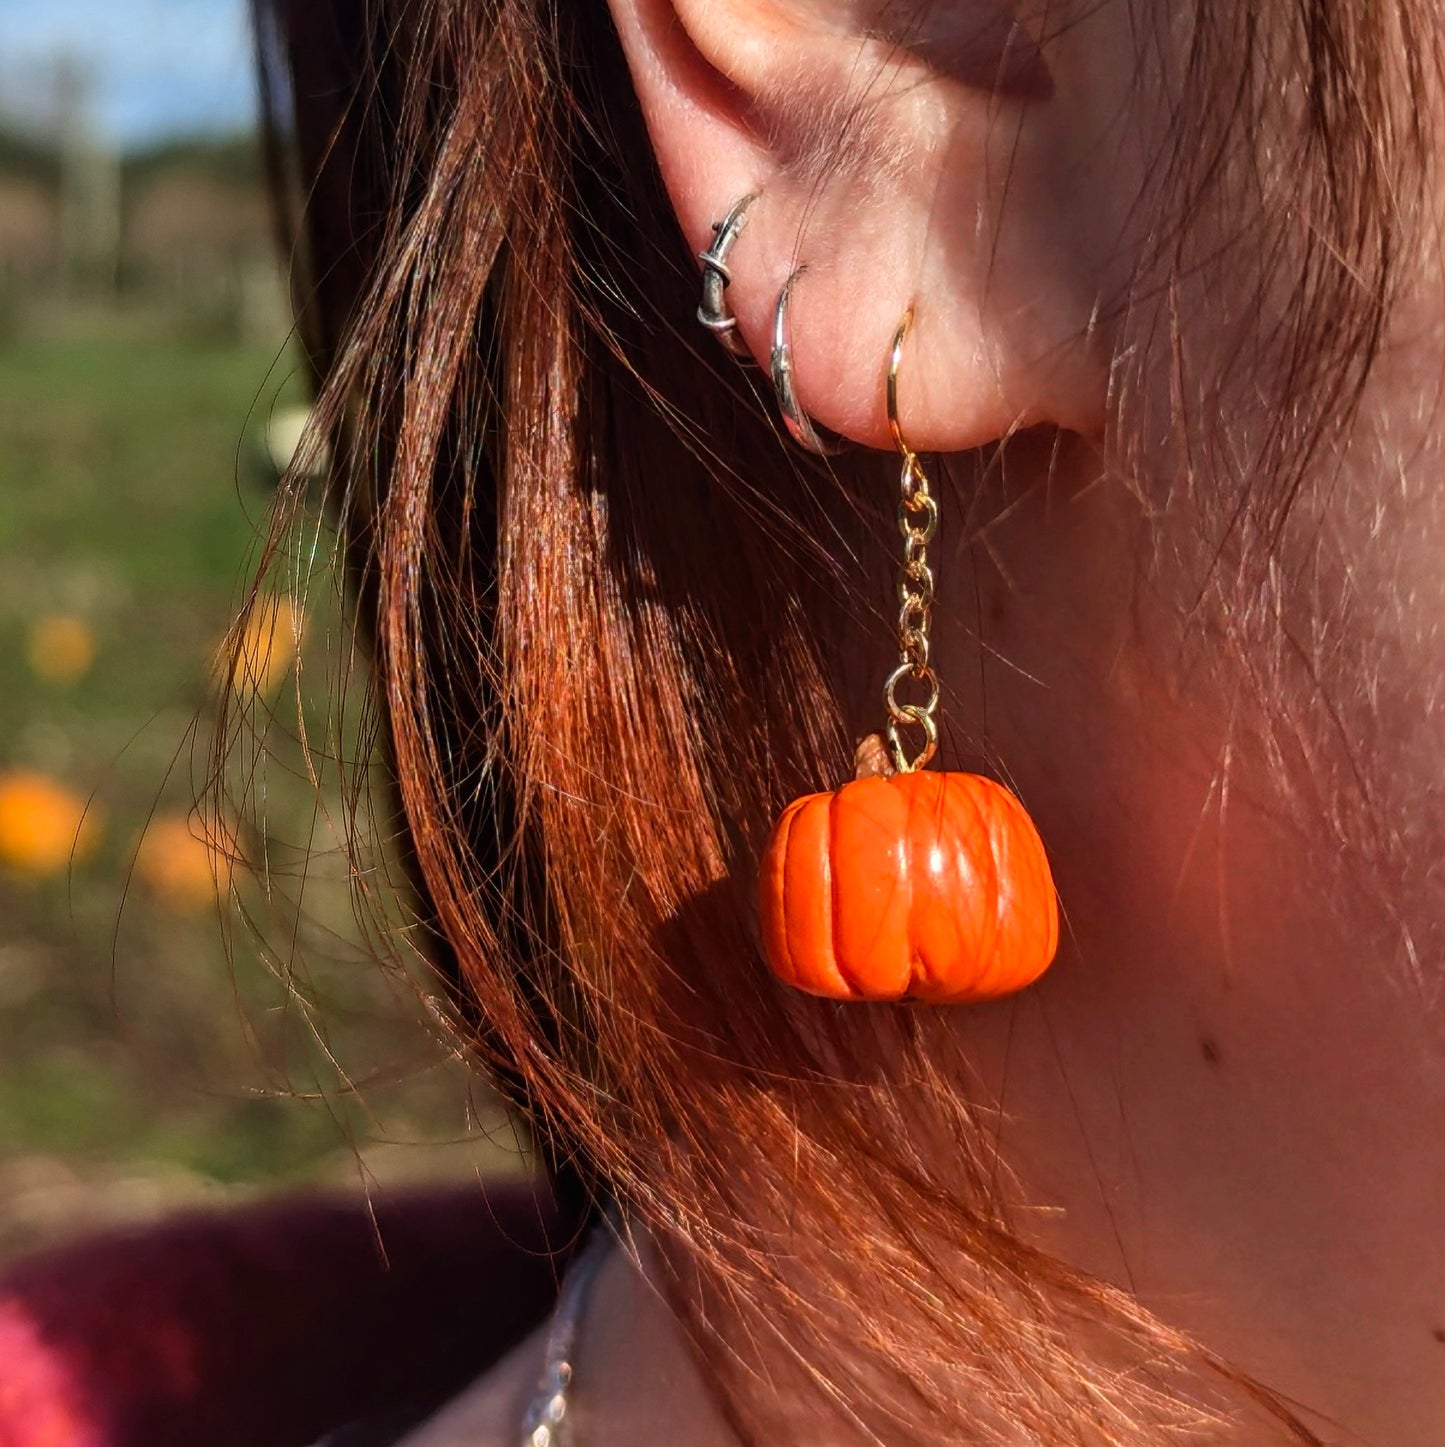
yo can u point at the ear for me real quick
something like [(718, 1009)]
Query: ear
[(939, 154)]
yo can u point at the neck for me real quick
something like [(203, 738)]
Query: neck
[(636, 1378)]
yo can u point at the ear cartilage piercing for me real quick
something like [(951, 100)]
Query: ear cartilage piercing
[(801, 428), (713, 312), (908, 883)]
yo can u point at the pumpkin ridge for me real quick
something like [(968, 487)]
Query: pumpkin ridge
[(900, 868), (1044, 936), (784, 837), (831, 885), (1046, 883), (918, 982), (983, 794), (944, 796), (835, 904)]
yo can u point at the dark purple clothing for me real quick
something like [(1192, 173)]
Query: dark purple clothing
[(272, 1326)]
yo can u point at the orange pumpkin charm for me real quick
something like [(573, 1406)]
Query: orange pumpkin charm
[(925, 885), (906, 884)]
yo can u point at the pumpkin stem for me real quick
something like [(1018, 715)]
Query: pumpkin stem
[(872, 759)]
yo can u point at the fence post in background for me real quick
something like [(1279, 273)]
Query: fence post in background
[(90, 219)]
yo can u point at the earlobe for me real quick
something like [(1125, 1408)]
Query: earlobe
[(898, 180)]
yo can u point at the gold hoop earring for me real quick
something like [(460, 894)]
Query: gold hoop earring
[(906, 883)]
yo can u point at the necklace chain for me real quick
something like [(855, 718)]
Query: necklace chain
[(545, 1423)]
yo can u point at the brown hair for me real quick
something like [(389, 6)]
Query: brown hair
[(585, 569)]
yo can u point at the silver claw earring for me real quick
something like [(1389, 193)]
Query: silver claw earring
[(803, 430), (713, 312)]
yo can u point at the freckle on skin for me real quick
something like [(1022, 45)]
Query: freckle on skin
[(1209, 1049), (1439, 1334)]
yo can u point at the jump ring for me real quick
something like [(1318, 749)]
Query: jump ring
[(914, 715), (899, 711), (714, 312), (803, 430)]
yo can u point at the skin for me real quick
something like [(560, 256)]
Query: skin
[(1228, 1093), (642, 1384)]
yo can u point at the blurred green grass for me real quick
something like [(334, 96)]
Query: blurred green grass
[(132, 497)]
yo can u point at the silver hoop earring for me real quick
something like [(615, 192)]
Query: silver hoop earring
[(714, 312), (801, 428)]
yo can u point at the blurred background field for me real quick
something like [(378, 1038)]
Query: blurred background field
[(143, 355)]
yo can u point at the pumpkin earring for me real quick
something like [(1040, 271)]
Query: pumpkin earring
[(904, 883)]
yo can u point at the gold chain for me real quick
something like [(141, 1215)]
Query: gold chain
[(918, 522)]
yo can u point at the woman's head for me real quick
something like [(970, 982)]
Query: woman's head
[(1171, 272)]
